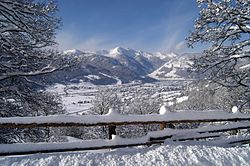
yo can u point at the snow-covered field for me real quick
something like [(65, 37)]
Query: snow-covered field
[(168, 154), (77, 97)]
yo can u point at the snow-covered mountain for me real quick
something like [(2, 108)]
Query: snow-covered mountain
[(176, 68), (124, 65), (139, 61)]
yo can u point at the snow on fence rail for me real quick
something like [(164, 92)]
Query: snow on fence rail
[(115, 119), (112, 119)]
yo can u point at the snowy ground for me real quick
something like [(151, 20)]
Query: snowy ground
[(77, 98), (172, 154)]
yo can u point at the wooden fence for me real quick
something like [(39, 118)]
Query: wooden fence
[(237, 121)]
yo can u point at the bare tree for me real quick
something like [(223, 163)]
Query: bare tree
[(142, 104), (104, 100), (225, 27), (203, 95)]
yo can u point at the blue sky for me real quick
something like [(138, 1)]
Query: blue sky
[(150, 25)]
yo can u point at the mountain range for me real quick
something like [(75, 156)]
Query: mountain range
[(124, 65)]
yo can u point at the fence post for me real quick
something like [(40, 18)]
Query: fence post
[(164, 110), (111, 131), (163, 125)]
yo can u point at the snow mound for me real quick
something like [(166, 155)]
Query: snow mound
[(112, 113), (164, 110), (234, 109), (172, 154)]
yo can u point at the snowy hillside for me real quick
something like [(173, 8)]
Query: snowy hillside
[(169, 154), (148, 61), (139, 61), (176, 68)]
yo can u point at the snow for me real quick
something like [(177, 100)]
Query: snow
[(180, 115), (119, 51), (163, 56), (172, 55), (175, 154), (171, 103), (112, 113), (73, 103), (74, 52), (119, 82), (116, 50), (74, 94), (234, 109), (181, 99), (77, 52), (92, 77), (164, 110), (189, 133), (11, 100), (72, 139), (57, 88), (169, 70), (245, 66), (85, 92), (74, 144)]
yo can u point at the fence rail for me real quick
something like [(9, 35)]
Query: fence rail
[(115, 119), (112, 119)]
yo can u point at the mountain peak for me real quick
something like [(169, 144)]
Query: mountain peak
[(118, 50)]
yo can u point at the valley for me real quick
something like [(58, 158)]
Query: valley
[(78, 98), (128, 74), (123, 65)]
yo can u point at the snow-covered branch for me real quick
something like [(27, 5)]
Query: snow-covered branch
[(225, 25)]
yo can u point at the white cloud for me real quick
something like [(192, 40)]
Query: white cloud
[(68, 40), (180, 46), (65, 41), (91, 44), (174, 35), (169, 43)]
